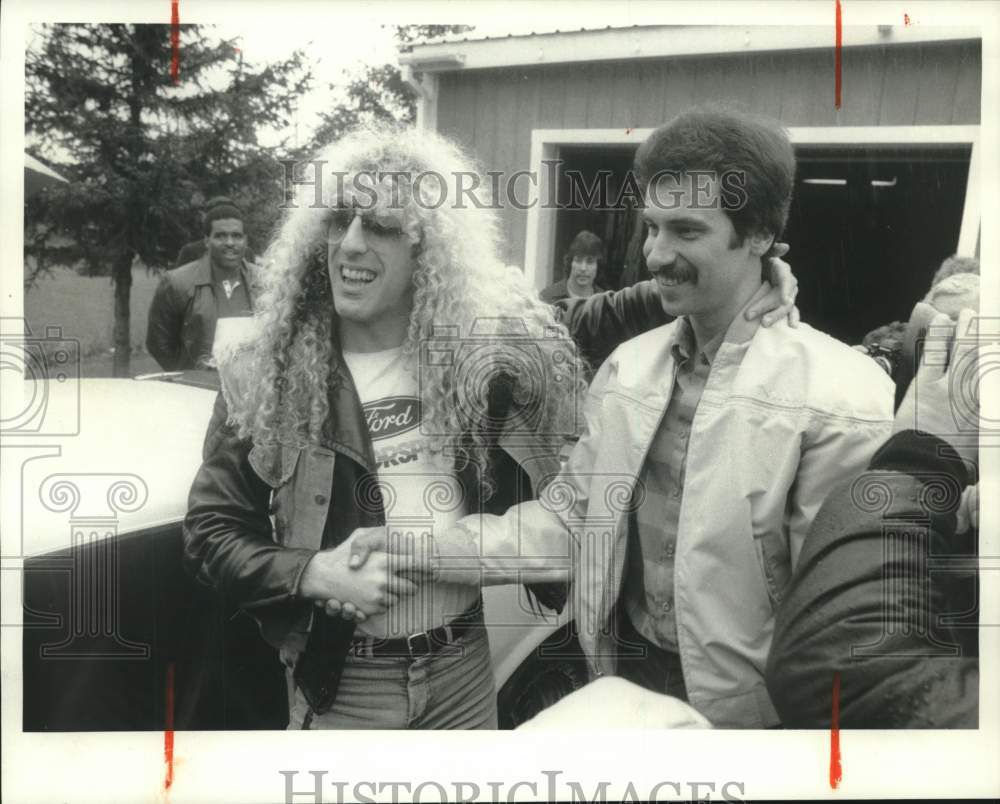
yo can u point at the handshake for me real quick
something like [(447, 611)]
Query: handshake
[(370, 572)]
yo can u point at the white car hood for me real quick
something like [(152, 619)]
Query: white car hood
[(128, 466)]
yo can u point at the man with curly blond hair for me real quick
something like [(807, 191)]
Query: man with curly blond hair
[(396, 373)]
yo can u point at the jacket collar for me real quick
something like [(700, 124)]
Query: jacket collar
[(203, 270), (350, 433), (739, 331), (203, 273)]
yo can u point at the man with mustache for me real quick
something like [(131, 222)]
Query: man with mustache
[(708, 447), (191, 299)]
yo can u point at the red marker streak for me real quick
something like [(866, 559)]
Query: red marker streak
[(175, 40), (836, 59), (836, 772), (168, 732)]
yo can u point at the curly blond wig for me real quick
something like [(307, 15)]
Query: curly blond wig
[(488, 310)]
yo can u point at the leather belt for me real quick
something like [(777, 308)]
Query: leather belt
[(424, 643)]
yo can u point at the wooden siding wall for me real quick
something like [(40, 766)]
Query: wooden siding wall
[(492, 112)]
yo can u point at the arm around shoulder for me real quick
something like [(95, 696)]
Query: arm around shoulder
[(600, 323)]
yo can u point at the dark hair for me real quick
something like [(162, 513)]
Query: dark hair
[(221, 208), (888, 336), (726, 142), (585, 244), (885, 345), (955, 265)]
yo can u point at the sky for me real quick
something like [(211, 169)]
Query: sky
[(339, 37), (344, 36), (368, 42)]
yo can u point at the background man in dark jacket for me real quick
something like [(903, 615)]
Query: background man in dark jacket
[(190, 300)]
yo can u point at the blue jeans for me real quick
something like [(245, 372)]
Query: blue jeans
[(450, 689)]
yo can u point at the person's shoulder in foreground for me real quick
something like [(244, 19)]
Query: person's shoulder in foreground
[(864, 612), (837, 621)]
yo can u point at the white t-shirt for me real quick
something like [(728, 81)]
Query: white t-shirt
[(420, 493)]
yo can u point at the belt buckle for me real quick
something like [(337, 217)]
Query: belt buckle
[(409, 644)]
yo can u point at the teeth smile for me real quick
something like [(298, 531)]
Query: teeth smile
[(357, 275), (672, 281)]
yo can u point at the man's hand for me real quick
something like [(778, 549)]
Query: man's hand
[(780, 301), (365, 541), (369, 590), (363, 544), (334, 608), (946, 382)]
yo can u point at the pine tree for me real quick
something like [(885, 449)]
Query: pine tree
[(139, 148)]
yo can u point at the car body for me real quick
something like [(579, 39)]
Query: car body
[(117, 636)]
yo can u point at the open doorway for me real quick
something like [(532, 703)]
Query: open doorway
[(869, 225), (615, 227)]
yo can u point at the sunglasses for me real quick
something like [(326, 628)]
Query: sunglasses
[(373, 225)]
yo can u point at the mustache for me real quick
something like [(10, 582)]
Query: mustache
[(678, 272)]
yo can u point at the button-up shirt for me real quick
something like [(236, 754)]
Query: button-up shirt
[(236, 303), (649, 590)]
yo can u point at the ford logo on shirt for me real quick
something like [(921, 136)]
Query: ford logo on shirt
[(391, 416)]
